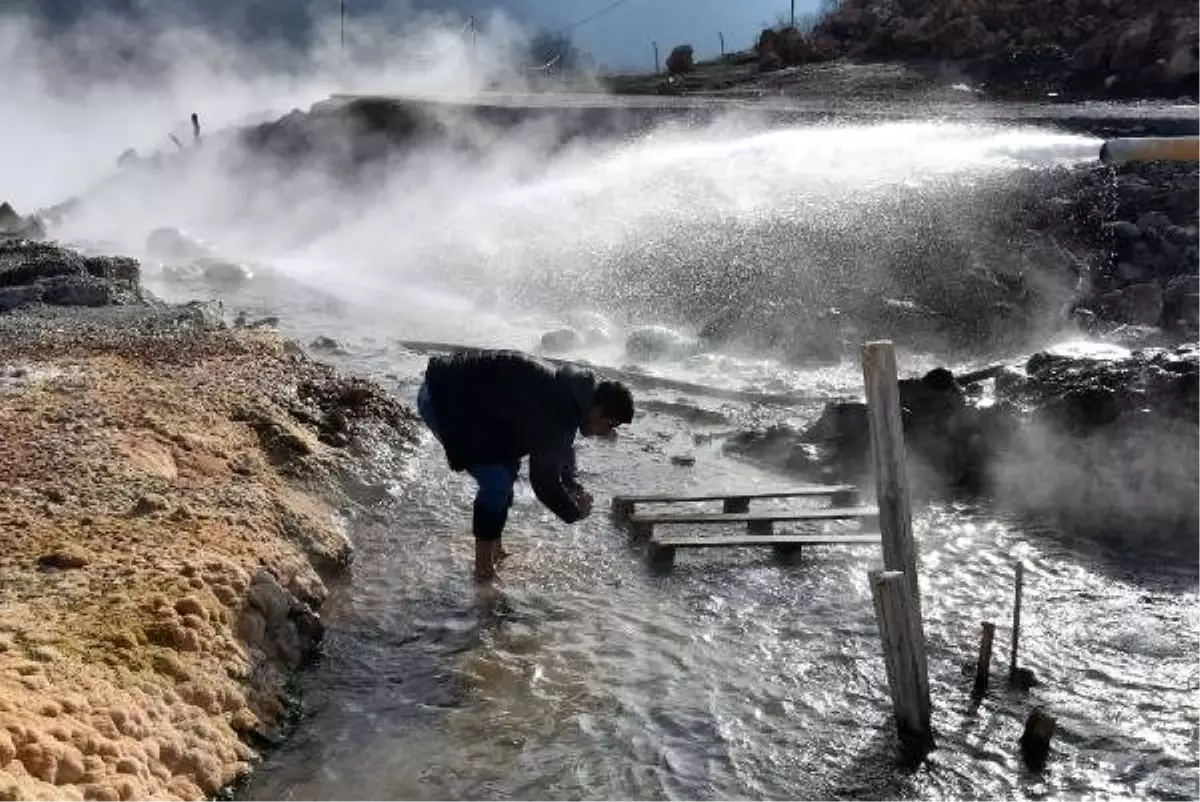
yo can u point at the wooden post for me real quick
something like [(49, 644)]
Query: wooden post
[(662, 558), (1016, 626), (736, 504), (983, 666), (897, 632), (891, 480), (1035, 740)]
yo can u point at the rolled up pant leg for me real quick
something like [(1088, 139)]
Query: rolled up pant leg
[(492, 500)]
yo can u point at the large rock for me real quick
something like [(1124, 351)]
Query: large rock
[(41, 273)]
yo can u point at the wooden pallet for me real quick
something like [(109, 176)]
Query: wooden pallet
[(736, 501), (757, 523), (787, 547)]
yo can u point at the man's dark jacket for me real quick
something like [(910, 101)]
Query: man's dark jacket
[(495, 407)]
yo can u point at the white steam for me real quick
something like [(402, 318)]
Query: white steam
[(666, 227)]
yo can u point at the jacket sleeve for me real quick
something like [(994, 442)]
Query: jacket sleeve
[(552, 475)]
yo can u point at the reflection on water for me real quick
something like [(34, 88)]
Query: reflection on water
[(582, 675)]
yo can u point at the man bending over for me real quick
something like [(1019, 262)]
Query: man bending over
[(489, 409)]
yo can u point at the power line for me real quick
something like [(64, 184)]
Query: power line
[(591, 16)]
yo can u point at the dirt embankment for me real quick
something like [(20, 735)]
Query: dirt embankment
[(173, 497)]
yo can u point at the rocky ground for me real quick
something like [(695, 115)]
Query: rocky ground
[(1103, 445), (174, 494), (1010, 49)]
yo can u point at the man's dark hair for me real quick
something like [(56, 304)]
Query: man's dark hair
[(615, 401)]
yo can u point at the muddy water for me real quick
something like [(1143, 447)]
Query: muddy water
[(583, 675)]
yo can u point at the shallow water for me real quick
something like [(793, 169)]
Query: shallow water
[(584, 675)]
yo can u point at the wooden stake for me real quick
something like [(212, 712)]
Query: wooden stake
[(1035, 741), (891, 480), (908, 684), (983, 666), (1016, 625)]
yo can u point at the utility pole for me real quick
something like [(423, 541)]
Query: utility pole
[(656, 71), (722, 43), (474, 57), (343, 15), (793, 13)]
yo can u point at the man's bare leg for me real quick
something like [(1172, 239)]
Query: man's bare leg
[(501, 553), (485, 559)]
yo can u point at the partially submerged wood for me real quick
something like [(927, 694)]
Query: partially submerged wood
[(1016, 626), (888, 455), (730, 541), (737, 500), (660, 551), (907, 682), (829, 514), (891, 484), (758, 523), (1035, 741), (983, 666)]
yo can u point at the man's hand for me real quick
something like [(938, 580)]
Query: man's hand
[(583, 500)]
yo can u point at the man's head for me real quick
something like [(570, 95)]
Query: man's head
[(612, 405)]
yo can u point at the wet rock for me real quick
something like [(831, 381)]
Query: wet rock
[(278, 624), (651, 343), (328, 344), (560, 340)]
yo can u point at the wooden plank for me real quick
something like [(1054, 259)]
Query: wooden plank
[(897, 631), (891, 481), (796, 492), (887, 449), (1016, 625), (701, 541), (983, 666), (832, 514)]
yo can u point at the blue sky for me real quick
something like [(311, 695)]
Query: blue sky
[(620, 38)]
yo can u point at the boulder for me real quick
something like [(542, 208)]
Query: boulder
[(559, 340), (651, 343), (42, 273)]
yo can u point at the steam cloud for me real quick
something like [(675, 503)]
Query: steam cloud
[(679, 226)]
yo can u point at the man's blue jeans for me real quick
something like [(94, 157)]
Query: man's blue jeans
[(495, 493)]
